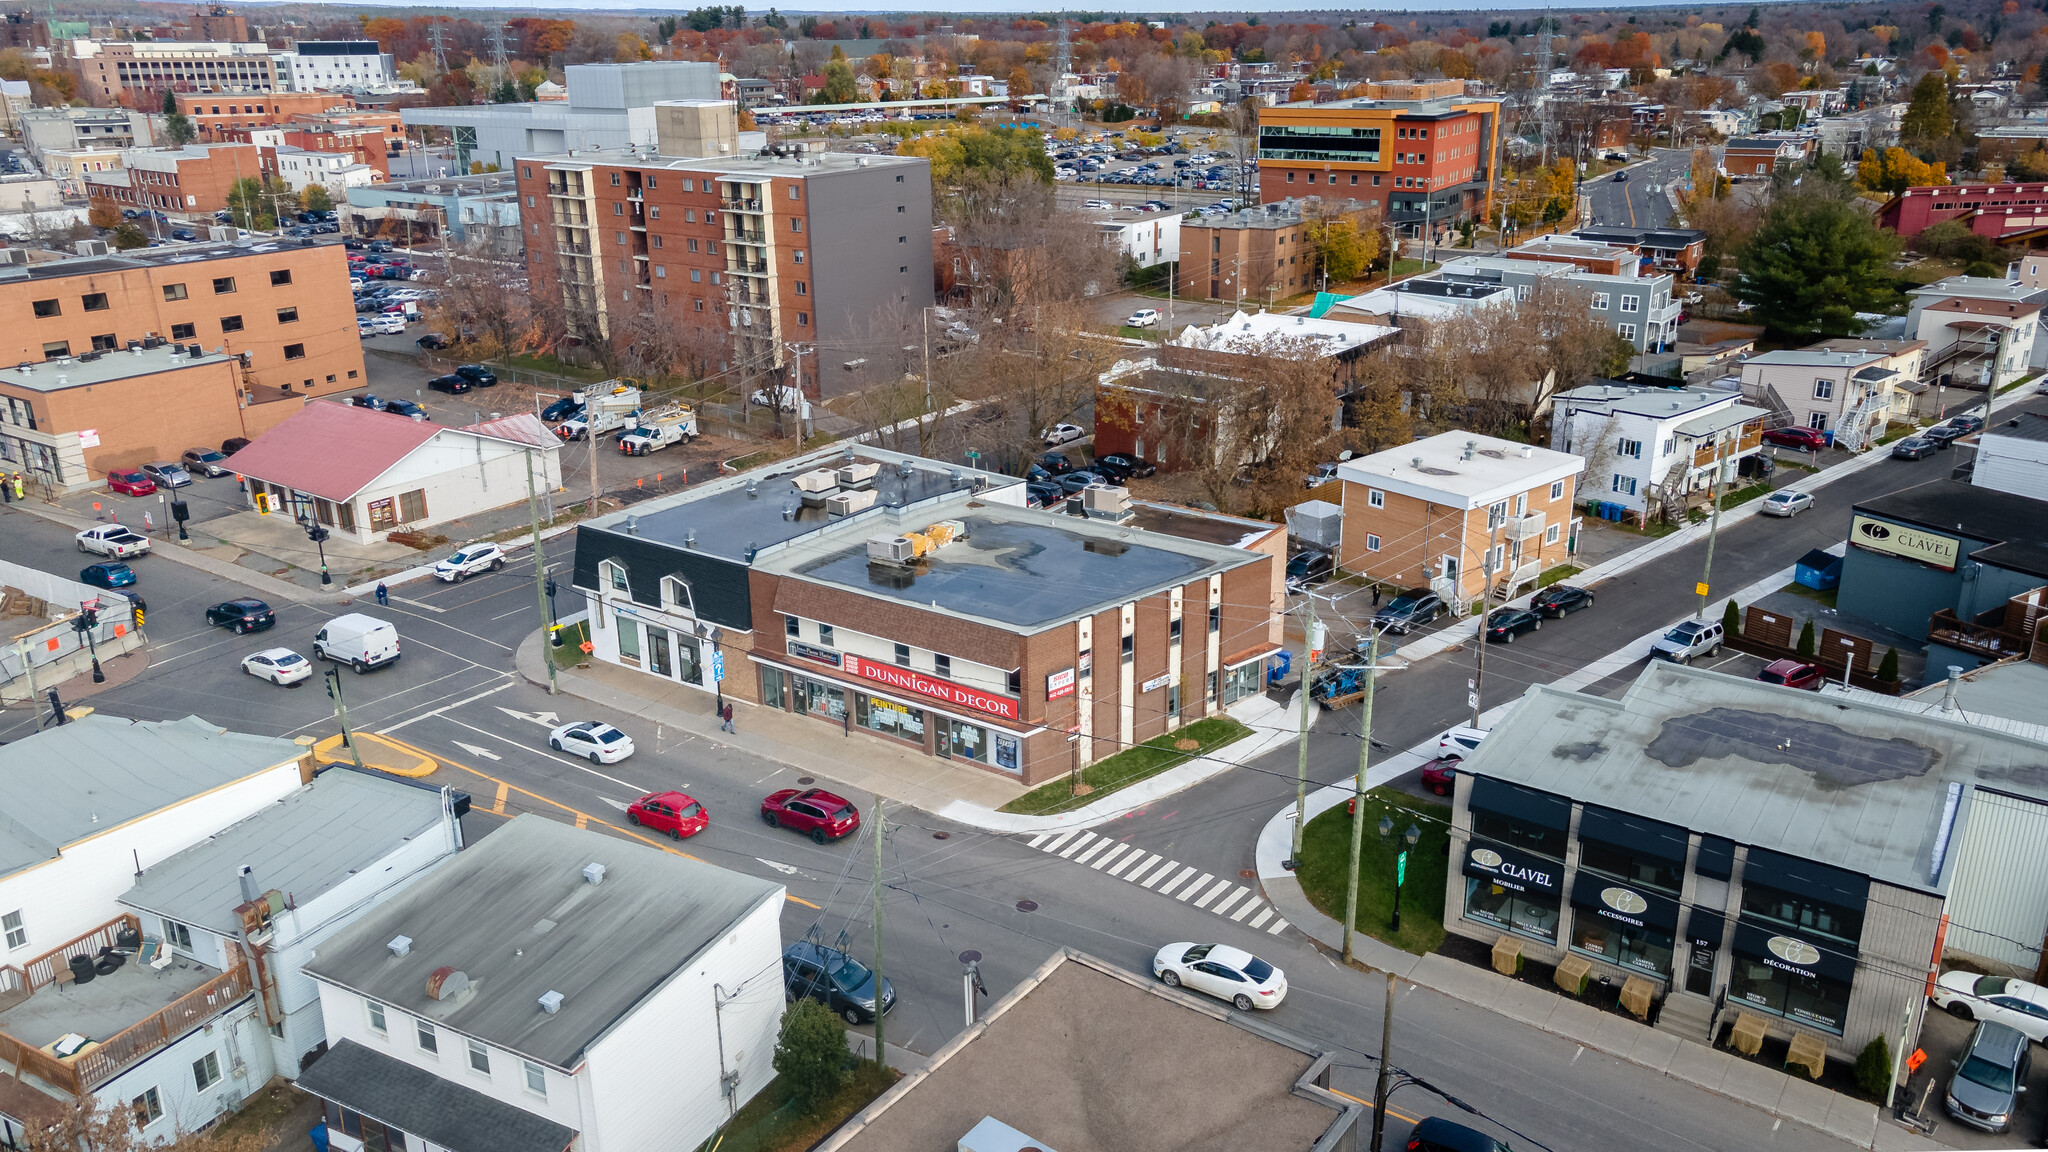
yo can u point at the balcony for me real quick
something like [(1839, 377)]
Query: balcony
[(748, 267), (1668, 314), (1520, 528), (732, 205), (571, 248)]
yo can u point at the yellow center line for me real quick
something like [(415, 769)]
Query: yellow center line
[(1368, 1104), (583, 819)]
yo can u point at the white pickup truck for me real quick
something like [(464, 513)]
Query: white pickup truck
[(659, 428), (116, 540), (604, 409)]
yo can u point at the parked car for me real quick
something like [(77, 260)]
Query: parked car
[(116, 540), (596, 742), (1040, 494), (672, 812), (562, 409), (1461, 741), (813, 811), (243, 616), (1797, 674), (1060, 434), (1074, 482), (233, 444), (1507, 623), (1687, 640), (1559, 600), (1308, 565), (834, 979), (207, 462), (1408, 611), (367, 400), (1056, 463), (1121, 466), (1436, 1134), (405, 408), (1323, 474), (477, 374), (1985, 1091), (1969, 422), (451, 384), (131, 483), (108, 574), (1913, 448), (1804, 439), (279, 666), (1943, 435), (1785, 502), (2017, 1004), (432, 342), (469, 561), (1143, 318), (1441, 775), (1222, 971)]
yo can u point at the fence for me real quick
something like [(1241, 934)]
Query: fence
[(125, 1048), (1770, 635)]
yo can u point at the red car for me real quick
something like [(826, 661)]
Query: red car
[(1794, 674), (1439, 776), (131, 483), (816, 811), (1804, 439), (671, 812)]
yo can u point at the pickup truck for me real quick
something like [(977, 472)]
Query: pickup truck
[(587, 424), (116, 540), (659, 428)]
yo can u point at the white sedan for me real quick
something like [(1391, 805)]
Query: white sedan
[(595, 742), (1060, 434), (2014, 1003), (1227, 973), (279, 666)]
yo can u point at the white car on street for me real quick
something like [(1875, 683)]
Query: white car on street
[(1060, 434), (1224, 972), (596, 742), (1460, 741), (2016, 1004), (279, 666), (116, 540), (1785, 502), (470, 561)]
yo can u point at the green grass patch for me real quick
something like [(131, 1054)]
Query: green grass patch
[(1324, 870), (1814, 594), (2022, 380), (1130, 766), (1743, 496), (771, 1122), (1896, 430), (549, 366), (569, 651), (1558, 574), (1151, 335)]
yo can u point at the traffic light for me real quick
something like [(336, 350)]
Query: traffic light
[(263, 503), (317, 534), (90, 617)]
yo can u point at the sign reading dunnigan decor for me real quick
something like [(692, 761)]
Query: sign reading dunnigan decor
[(1899, 540), (961, 695), (1518, 871)]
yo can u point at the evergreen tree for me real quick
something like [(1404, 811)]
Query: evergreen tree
[(1814, 264), (1928, 116), (177, 126)]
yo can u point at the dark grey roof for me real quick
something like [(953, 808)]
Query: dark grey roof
[(67, 783), (157, 257), (515, 913), (441, 1112), (2021, 426), (2014, 529), (317, 837)]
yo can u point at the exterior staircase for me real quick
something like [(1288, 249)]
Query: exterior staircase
[(1853, 432), (1689, 1015)]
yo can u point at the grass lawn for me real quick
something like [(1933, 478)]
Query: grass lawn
[(1130, 766), (1558, 574), (1150, 335), (1325, 868), (1744, 495), (549, 366), (770, 1123), (2028, 378), (1815, 595), (1896, 430), (569, 653)]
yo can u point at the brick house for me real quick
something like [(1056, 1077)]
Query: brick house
[(194, 179)]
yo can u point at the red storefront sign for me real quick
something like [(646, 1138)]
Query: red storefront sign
[(942, 690)]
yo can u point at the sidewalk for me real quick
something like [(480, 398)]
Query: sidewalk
[(969, 796)]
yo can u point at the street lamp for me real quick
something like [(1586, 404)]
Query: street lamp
[(318, 534), (1400, 862)]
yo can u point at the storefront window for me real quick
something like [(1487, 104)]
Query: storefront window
[(688, 669), (1009, 753), (1638, 948), (1513, 889), (629, 638), (1807, 897), (1241, 682), (1524, 913), (658, 660), (771, 688), (821, 699), (1804, 980), (1636, 851), (889, 718), (1621, 924), (964, 741)]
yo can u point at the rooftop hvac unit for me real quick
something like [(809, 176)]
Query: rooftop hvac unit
[(847, 503), (1102, 498), (222, 232), (816, 481), (91, 247), (891, 550), (551, 1002), (855, 475), (14, 256)]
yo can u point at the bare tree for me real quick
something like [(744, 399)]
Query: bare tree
[(87, 1124), (480, 301), (1248, 438)]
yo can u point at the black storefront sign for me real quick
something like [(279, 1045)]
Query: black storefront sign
[(1716, 858), (809, 652), (1623, 904), (1514, 870), (1795, 954)]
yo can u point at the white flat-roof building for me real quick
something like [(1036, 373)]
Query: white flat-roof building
[(1649, 449), (609, 106)]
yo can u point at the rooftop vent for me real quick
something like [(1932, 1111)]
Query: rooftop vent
[(1470, 447), (446, 983), (551, 1002), (246, 878), (690, 538), (594, 873), (632, 525), (400, 945)]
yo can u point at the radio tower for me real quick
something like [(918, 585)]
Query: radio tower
[(1062, 62), (440, 49)]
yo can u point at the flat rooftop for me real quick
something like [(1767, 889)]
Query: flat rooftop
[(104, 368), (1167, 1071), (809, 164), (1656, 403), (171, 254), (1195, 524), (97, 1011), (1255, 332), (1476, 469), (2021, 426), (2014, 527), (1857, 785)]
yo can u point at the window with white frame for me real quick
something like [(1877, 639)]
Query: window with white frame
[(1628, 447), (675, 593), (1817, 420), (1375, 498), (1599, 301), (149, 1108), (1626, 332), (1823, 389), (536, 1079), (1496, 515), (1372, 542), (1493, 558), (1626, 485), (617, 577), (376, 1017), (206, 1071), (429, 1042), (1521, 503), (479, 1057), (177, 935), (1550, 534), (1557, 489), (1670, 445), (1631, 303), (17, 932)]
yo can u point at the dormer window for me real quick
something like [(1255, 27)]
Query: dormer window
[(675, 594), (615, 577)]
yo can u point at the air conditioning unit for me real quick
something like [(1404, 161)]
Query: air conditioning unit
[(91, 247), (817, 481), (1102, 500), (847, 503), (891, 550), (220, 232), (856, 475)]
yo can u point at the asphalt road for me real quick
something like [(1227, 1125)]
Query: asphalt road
[(1640, 200), (947, 888)]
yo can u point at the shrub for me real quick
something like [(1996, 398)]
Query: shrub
[(1888, 668), (810, 1053), (1808, 645), (1731, 620), (1874, 1068)]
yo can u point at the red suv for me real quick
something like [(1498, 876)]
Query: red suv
[(816, 811), (1804, 439), (1794, 674), (130, 483), (671, 812)]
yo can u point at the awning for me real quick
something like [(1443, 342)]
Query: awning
[(1244, 658), (1624, 903), (1706, 926), (440, 1112), (1512, 869), (1799, 955)]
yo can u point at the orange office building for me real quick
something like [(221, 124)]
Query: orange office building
[(1432, 159)]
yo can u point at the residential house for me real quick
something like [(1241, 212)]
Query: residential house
[(1638, 308), (1655, 451), (334, 171), (1756, 157), (1674, 250), (1846, 387), (541, 991), (2012, 456), (1146, 239), (1257, 253), (1979, 331), (1457, 510)]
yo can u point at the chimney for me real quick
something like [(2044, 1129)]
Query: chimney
[(1948, 696), (246, 877)]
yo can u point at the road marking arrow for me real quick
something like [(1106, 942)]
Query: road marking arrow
[(621, 805), (473, 750), (544, 719), (785, 869)]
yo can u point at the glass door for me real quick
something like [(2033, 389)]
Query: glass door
[(658, 661), (1699, 971)]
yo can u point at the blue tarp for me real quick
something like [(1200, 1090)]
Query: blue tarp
[(1323, 302)]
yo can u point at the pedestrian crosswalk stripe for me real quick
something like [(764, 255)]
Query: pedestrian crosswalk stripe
[(1133, 877), (1221, 887), (1278, 924), (1191, 889), (1085, 838), (1249, 906), (1041, 838), (1263, 917), (1099, 846), (1055, 845), (1176, 882), (1112, 854), (1223, 905)]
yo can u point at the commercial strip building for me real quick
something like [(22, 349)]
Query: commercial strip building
[(88, 129), (1674, 250), (609, 106), (926, 605), (1846, 387), (466, 209), (1656, 450), (195, 179), (66, 422), (1746, 849), (136, 74), (1428, 161)]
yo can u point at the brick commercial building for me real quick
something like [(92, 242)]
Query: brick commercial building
[(1416, 160), (1998, 211), (211, 112), (737, 258), (287, 309), (927, 606), (136, 75), (194, 179), (365, 145), (1257, 254), (68, 421)]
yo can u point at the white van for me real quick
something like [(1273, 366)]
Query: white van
[(359, 641)]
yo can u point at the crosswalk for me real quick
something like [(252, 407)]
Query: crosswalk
[(1223, 896)]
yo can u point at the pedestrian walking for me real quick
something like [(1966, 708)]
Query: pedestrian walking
[(1375, 595), (725, 715), (383, 595), (17, 486), (6, 490)]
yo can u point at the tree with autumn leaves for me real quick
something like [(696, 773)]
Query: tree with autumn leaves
[(1893, 170)]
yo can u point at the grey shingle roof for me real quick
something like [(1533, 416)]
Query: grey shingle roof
[(441, 1112)]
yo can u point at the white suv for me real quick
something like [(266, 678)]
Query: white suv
[(1687, 640), (470, 561)]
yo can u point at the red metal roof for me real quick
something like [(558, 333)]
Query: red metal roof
[(331, 450)]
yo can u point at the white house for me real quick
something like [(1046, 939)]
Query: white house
[(550, 986), (369, 473), (335, 171), (1849, 387), (1148, 239), (274, 885), (1648, 448), (1977, 329), (2012, 456)]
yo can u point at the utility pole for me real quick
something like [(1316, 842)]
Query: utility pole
[(1384, 1087), (1372, 664), (881, 823), (1713, 522), (590, 434), (540, 574), (1485, 606), (348, 739), (1308, 640)]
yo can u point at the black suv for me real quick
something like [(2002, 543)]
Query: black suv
[(1410, 610), (451, 384), (1307, 565), (1124, 466), (241, 615), (1056, 463), (477, 374), (834, 979)]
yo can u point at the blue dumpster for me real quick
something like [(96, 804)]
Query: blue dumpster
[(1276, 671)]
